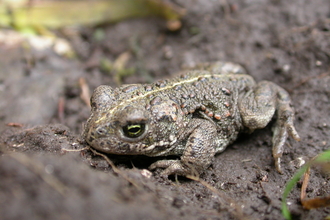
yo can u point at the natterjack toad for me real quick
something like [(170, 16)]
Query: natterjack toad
[(194, 115)]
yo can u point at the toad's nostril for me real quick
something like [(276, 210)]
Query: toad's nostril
[(101, 131)]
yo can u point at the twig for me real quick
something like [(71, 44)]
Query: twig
[(115, 169), (229, 203), (304, 184), (308, 78), (38, 169), (14, 124), (85, 94), (75, 150)]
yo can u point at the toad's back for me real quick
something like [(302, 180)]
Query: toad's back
[(213, 90)]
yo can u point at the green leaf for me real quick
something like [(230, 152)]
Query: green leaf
[(319, 159)]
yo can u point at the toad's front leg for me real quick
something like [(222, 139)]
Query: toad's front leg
[(198, 153), (257, 108)]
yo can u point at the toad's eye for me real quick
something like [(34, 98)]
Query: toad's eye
[(134, 130)]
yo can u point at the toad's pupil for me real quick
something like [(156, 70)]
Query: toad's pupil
[(134, 129)]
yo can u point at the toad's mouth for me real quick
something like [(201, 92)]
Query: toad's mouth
[(113, 146)]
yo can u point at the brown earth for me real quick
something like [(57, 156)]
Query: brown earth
[(52, 175)]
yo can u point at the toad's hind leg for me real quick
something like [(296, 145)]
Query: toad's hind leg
[(257, 108)]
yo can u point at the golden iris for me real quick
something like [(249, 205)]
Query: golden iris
[(134, 130)]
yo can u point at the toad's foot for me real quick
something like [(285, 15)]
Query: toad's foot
[(174, 167), (284, 127), (257, 108)]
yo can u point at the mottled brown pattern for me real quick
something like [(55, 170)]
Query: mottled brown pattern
[(195, 115)]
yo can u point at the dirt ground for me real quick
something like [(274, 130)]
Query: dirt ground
[(52, 175)]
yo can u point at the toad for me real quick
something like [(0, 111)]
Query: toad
[(194, 115)]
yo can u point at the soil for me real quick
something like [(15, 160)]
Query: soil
[(48, 173)]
